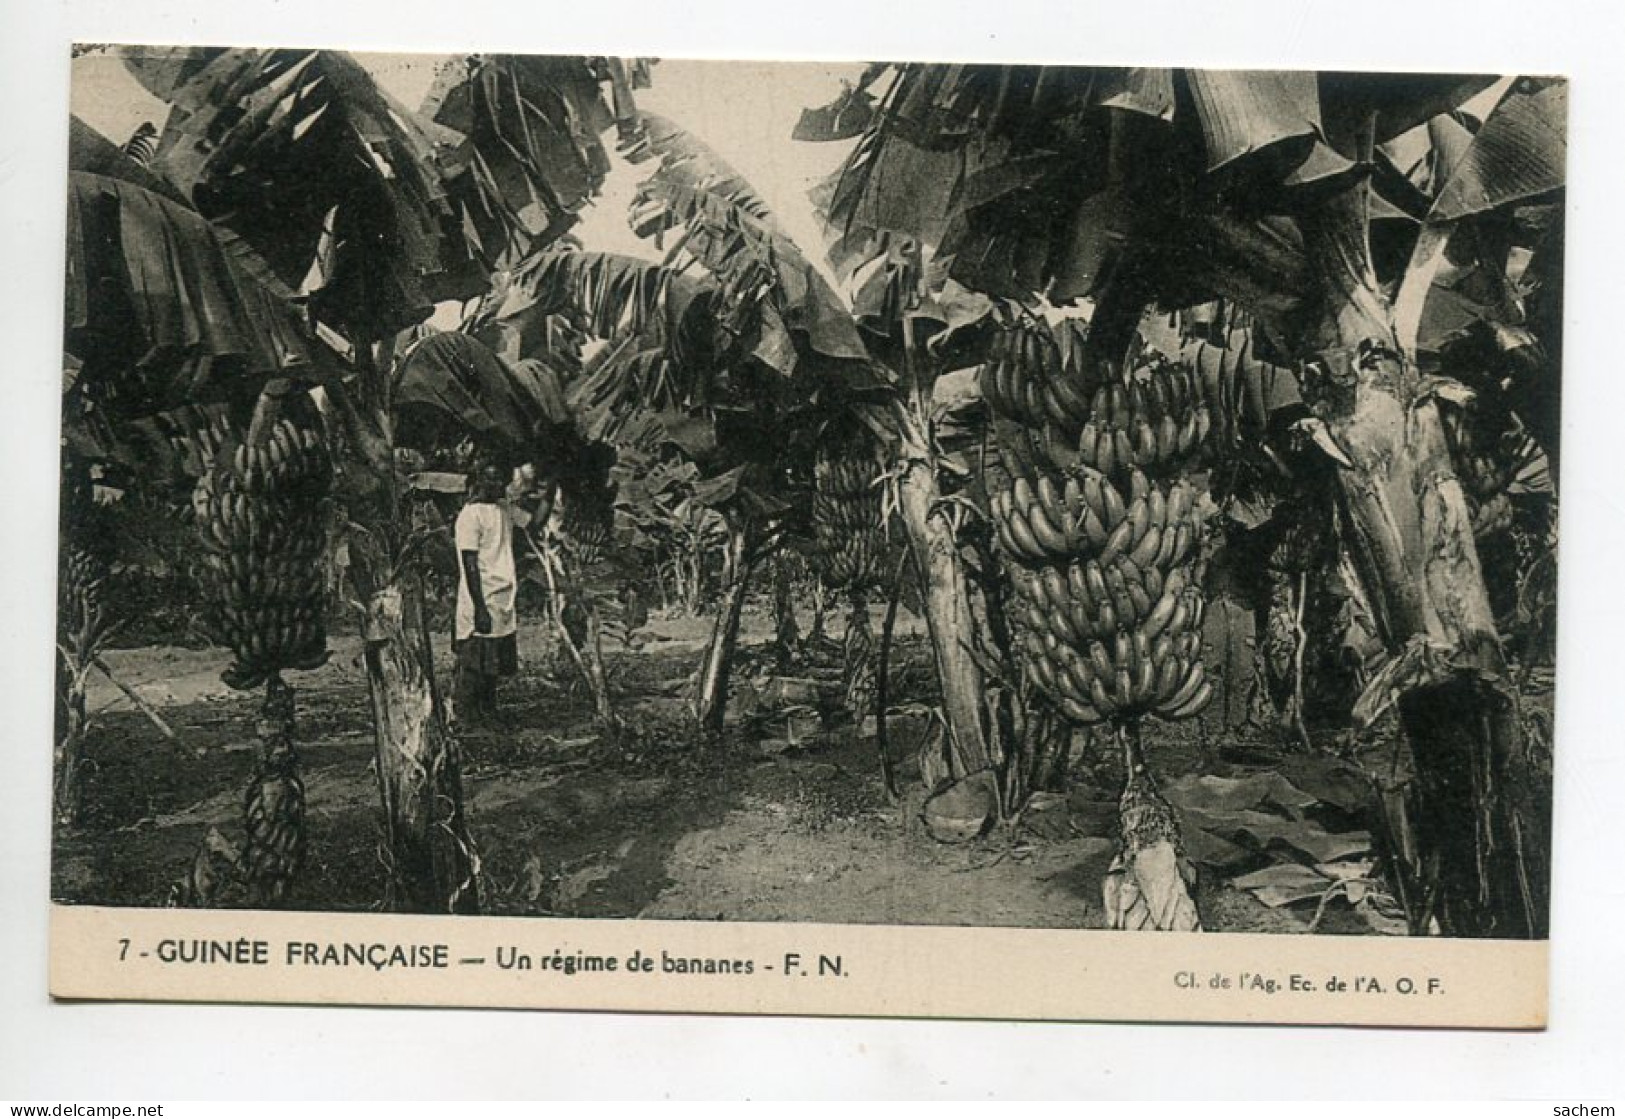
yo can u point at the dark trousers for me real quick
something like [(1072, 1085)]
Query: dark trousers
[(481, 662)]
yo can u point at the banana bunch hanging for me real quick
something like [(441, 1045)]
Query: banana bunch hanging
[(259, 516), (1099, 528), (1111, 616), (848, 521), (1037, 379)]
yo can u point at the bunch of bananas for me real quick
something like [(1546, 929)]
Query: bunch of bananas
[(586, 504), (848, 522), (80, 593), (1101, 533), (1152, 420), (259, 516), (1086, 514), (1035, 378), (1112, 623), (585, 535), (192, 435), (274, 804), (274, 822)]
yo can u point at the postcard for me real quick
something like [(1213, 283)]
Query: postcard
[(903, 539)]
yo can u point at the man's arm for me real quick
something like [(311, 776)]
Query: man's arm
[(476, 593)]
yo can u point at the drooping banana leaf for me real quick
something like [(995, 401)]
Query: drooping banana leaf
[(1393, 103), (159, 312), (531, 155), (1265, 116), (731, 232), (1518, 156), (329, 180), (674, 341), (1056, 173), (613, 296), (451, 386), (458, 379)]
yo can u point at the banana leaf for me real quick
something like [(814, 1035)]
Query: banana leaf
[(462, 380), (1269, 118), (324, 176), (888, 185), (164, 70), (844, 118), (1028, 181), (1449, 141), (1395, 103), (530, 156), (1032, 179), (160, 313), (1149, 92), (614, 297), (451, 386), (1516, 157), (732, 233), (89, 150)]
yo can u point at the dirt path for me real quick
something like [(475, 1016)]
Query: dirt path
[(763, 826)]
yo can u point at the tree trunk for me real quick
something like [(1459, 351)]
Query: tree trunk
[(815, 629), (433, 864), (1480, 808), (786, 634), (857, 661), (710, 706), (888, 626), (948, 616), (274, 834), (592, 655), (566, 593), (1047, 747), (71, 721)]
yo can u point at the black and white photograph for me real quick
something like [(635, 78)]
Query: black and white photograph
[(857, 494)]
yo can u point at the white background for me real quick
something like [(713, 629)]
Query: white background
[(134, 1053)]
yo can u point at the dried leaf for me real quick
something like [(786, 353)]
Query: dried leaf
[(1151, 891), (1233, 794), (1284, 884), (1387, 924), (1420, 664), (1300, 840), (1206, 849)]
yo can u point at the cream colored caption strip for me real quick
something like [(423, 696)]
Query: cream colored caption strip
[(376, 959)]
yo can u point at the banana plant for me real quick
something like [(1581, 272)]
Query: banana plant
[(683, 360), (326, 188), (1125, 187), (718, 224), (172, 336), (452, 388)]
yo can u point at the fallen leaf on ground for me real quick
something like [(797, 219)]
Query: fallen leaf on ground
[(1283, 884)]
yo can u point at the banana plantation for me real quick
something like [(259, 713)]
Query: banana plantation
[(1030, 496)]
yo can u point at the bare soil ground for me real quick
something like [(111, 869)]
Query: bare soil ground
[(771, 824)]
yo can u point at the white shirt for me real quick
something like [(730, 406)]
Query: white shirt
[(486, 529)]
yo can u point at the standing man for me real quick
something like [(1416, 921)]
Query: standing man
[(485, 639)]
